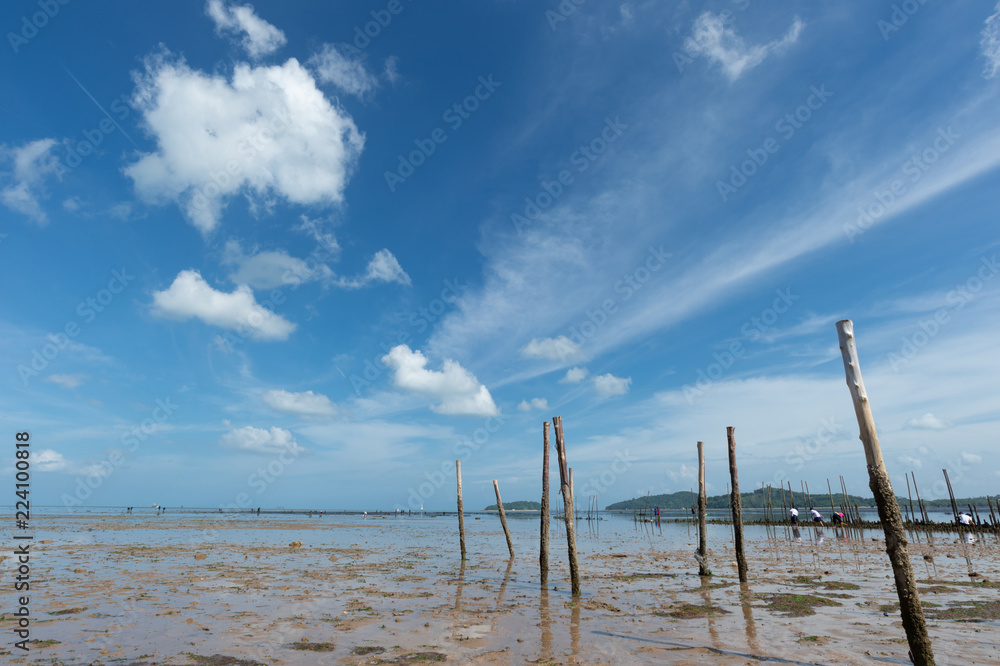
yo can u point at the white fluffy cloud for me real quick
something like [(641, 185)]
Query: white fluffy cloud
[(458, 390), (259, 38), (47, 460), (343, 70), (928, 422), (33, 162), (384, 267), (272, 268), (574, 376), (608, 384), (190, 296), (536, 403), (306, 403), (711, 37), (259, 440), (66, 381), (268, 132), (553, 349), (990, 44)]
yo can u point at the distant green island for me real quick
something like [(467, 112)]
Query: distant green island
[(755, 500), (516, 506)]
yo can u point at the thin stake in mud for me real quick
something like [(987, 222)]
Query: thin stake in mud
[(830, 490), (461, 519), (737, 506), (703, 569), (913, 517), (920, 502), (503, 518), (543, 548), (951, 494), (911, 611), (567, 494)]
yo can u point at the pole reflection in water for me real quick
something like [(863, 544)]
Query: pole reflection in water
[(746, 595), (458, 588), (706, 585), (545, 618), (503, 586)]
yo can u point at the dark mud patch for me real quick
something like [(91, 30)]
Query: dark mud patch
[(68, 611), (686, 611), (796, 605), (312, 647), (367, 649), (221, 660), (969, 611), (964, 583)]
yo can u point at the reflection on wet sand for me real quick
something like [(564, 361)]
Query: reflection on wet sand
[(545, 618), (746, 594), (706, 586)]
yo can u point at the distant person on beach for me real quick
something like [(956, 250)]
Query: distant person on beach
[(837, 518), (794, 513), (964, 519), (817, 516)]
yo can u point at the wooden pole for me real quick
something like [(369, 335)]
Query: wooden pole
[(913, 516), (737, 506), (543, 548), (791, 495), (809, 499), (830, 490), (567, 494), (951, 494), (892, 523), (784, 506), (503, 518), (573, 503), (703, 569), (461, 519), (920, 503)]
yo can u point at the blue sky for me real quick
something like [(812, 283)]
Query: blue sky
[(309, 254)]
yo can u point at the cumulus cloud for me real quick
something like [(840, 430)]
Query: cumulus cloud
[(608, 384), (306, 403), (912, 462), (259, 440), (268, 132), (928, 422), (66, 381), (971, 458), (259, 38), (458, 390), (712, 38), (33, 163), (553, 349), (574, 376), (384, 267), (990, 44), (335, 66), (270, 269), (47, 460), (540, 404), (190, 296)]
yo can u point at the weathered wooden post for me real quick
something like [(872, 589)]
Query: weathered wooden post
[(951, 494), (892, 523), (830, 490), (567, 494), (503, 518), (543, 549), (461, 519), (702, 558), (737, 506)]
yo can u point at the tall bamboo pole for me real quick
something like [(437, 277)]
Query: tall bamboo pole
[(951, 494), (913, 516), (920, 502), (737, 506), (892, 523), (503, 518), (830, 490), (567, 494), (543, 548), (461, 519), (703, 569)]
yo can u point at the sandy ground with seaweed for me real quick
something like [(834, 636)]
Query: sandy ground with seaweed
[(390, 591)]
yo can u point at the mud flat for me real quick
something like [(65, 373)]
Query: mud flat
[(182, 589)]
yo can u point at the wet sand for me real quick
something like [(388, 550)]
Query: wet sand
[(194, 590)]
